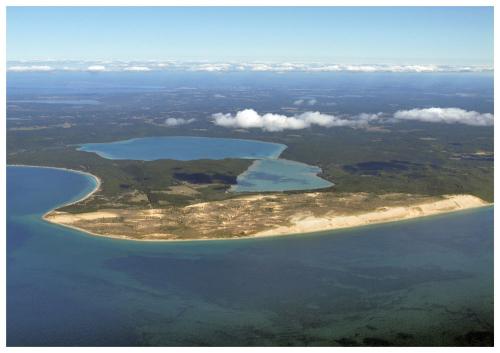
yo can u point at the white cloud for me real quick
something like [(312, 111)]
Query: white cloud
[(321, 68), (414, 68), (178, 121), (137, 68), (261, 67), (360, 68), (249, 118), (277, 67), (364, 119), (446, 115), (393, 68), (96, 68), (311, 101), (32, 68), (211, 67), (273, 67)]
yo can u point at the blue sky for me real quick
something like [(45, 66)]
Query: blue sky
[(404, 35)]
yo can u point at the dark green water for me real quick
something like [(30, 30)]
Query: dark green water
[(425, 282)]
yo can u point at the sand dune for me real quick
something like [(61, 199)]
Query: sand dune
[(248, 217), (307, 224)]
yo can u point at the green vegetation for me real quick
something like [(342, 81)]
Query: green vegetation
[(428, 160), (405, 157), (139, 183)]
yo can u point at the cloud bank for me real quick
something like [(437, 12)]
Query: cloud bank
[(96, 68), (178, 121), (31, 68), (278, 67), (250, 119), (209, 67), (137, 68), (446, 115)]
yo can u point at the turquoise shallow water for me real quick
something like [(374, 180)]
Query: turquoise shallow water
[(279, 175), (268, 173), (425, 282)]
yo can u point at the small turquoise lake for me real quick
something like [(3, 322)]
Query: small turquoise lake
[(267, 173), (279, 175)]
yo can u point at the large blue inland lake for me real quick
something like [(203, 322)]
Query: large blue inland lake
[(184, 148), (425, 282), (267, 173)]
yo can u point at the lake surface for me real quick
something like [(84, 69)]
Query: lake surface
[(267, 174), (184, 148), (279, 175), (425, 282)]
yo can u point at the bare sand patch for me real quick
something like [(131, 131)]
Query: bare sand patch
[(308, 224), (261, 215), (68, 218)]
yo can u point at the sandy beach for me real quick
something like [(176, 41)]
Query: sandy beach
[(133, 224), (308, 224)]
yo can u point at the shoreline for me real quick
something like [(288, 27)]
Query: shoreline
[(287, 230), (257, 235), (97, 180), (369, 218), (255, 167), (275, 155), (304, 224)]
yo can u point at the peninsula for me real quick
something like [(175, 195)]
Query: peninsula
[(259, 215), (200, 181)]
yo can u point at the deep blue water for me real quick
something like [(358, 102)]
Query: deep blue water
[(425, 282)]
